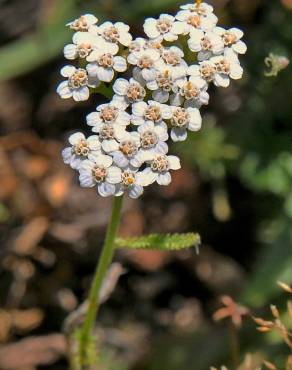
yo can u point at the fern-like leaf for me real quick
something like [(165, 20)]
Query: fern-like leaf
[(164, 242)]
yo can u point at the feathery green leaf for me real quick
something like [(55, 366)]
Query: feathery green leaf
[(166, 242)]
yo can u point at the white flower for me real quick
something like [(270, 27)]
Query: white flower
[(227, 66), (203, 9), (115, 34), (84, 23), (77, 84), (83, 44), (232, 39), (127, 92), (104, 64), (144, 60), (166, 28), (184, 119), (81, 149), (204, 72), (152, 139), (158, 169), (100, 173), (150, 111), (166, 80), (193, 16), (127, 153), (108, 113), (110, 123), (193, 92), (206, 44), (137, 45), (172, 58), (131, 183)]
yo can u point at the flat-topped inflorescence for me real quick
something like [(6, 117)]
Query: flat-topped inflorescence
[(157, 98)]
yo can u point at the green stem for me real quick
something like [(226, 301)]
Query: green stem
[(101, 269)]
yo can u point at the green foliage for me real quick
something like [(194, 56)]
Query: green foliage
[(31, 51), (168, 242)]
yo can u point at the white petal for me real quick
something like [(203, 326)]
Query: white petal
[(182, 15), (146, 126), (104, 160), (120, 86), (111, 48), (90, 19), (75, 162), (196, 34), (194, 45), (194, 70), (161, 147), (132, 59), (86, 180), (120, 160), (147, 177), (93, 119), (123, 118), (204, 97), (176, 100), (75, 138), (198, 82), (174, 162), (105, 189), (138, 109), (120, 102), (238, 33), (67, 71), (240, 47), (67, 154), (150, 28), (105, 74), (86, 166), (204, 55), (122, 27), (135, 120), (110, 146), (63, 90), (120, 132), (164, 179), (169, 36), (221, 80), (114, 175), (195, 119), (93, 142), (135, 191), (70, 51), (125, 38), (165, 111), (92, 69), (178, 28), (152, 85), (93, 81), (120, 64), (236, 71), (178, 134), (138, 75), (149, 74), (160, 96), (81, 94)]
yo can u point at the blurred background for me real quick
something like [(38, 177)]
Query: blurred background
[(235, 189)]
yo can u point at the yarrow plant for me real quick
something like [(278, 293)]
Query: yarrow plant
[(155, 91)]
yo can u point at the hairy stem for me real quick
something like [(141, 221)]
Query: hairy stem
[(101, 269)]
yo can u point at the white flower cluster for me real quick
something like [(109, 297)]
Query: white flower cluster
[(162, 96)]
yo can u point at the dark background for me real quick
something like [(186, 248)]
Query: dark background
[(234, 189)]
